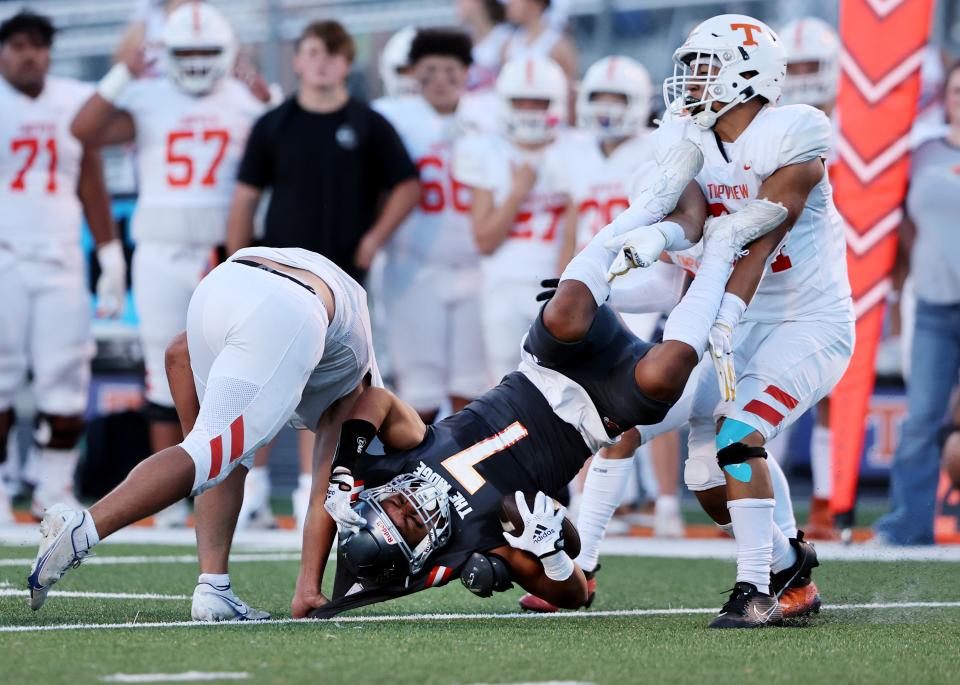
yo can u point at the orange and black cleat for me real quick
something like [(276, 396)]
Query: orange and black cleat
[(793, 586)]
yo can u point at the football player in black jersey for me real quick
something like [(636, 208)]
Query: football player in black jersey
[(430, 506)]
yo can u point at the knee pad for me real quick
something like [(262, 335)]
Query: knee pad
[(158, 413), (701, 471), (57, 432), (485, 574), (732, 459)]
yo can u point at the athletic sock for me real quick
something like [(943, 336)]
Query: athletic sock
[(691, 319), (221, 581), (784, 555), (820, 462), (783, 509), (603, 490), (752, 521)]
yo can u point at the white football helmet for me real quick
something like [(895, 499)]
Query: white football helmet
[(198, 27), (532, 78), (396, 56), (611, 120), (811, 40), (731, 58)]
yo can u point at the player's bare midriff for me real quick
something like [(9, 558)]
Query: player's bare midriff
[(318, 284)]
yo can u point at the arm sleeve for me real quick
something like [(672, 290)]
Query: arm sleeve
[(396, 165), (256, 168), (655, 289), (807, 137)]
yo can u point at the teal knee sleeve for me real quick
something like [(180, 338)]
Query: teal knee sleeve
[(732, 431)]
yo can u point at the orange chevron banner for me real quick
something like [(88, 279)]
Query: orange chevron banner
[(883, 42)]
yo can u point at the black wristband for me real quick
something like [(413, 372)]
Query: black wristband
[(355, 437)]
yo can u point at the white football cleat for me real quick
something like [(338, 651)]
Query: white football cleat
[(214, 603), (679, 165), (63, 545), (731, 232)]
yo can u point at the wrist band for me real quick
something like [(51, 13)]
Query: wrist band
[(731, 310), (558, 566), (110, 255), (114, 82)]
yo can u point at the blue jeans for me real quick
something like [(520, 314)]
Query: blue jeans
[(935, 361)]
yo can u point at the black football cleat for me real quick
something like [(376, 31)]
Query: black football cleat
[(793, 587), (748, 608)]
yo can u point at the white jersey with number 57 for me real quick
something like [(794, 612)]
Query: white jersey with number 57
[(806, 278), (40, 213), (188, 151), (438, 230)]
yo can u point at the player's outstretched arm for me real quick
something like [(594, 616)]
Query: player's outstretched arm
[(527, 571), (92, 191), (789, 186), (100, 121)]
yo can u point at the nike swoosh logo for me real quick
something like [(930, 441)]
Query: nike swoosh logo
[(762, 616)]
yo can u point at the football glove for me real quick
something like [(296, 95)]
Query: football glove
[(542, 533), (721, 353), (112, 283), (550, 286), (337, 503)]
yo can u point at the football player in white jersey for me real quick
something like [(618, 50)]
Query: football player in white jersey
[(776, 358), (273, 336), (50, 181), (189, 127), (395, 67), (521, 201), (432, 270), (813, 70)]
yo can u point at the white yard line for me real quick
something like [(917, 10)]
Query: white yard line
[(94, 560), (6, 592), (407, 618), (187, 677)]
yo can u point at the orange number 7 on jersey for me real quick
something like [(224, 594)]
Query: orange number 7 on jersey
[(184, 162), (461, 465)]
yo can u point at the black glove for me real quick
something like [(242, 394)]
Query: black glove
[(551, 285)]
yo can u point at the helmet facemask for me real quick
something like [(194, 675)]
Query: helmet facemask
[(608, 120), (428, 502), (530, 126), (812, 82), (196, 70), (701, 78)]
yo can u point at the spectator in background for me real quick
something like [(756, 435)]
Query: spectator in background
[(930, 234), (331, 162), (950, 438), (485, 22), (536, 36)]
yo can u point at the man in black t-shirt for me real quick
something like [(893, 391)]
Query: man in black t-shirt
[(330, 162)]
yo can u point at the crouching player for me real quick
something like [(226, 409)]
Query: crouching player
[(273, 335), (431, 507)]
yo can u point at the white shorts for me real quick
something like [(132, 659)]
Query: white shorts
[(508, 309), (782, 369), (256, 340), (164, 278), (45, 327), (433, 334)]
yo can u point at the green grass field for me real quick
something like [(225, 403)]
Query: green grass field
[(896, 644)]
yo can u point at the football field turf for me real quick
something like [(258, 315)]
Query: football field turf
[(884, 622)]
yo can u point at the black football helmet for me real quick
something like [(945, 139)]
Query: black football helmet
[(377, 553)]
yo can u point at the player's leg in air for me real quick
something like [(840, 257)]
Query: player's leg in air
[(256, 337)]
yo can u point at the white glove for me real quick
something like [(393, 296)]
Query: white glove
[(721, 352), (337, 503), (721, 344), (112, 284), (635, 249), (542, 533)]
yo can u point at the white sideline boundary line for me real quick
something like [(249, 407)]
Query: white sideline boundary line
[(71, 594), (94, 560), (186, 677), (405, 618)]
